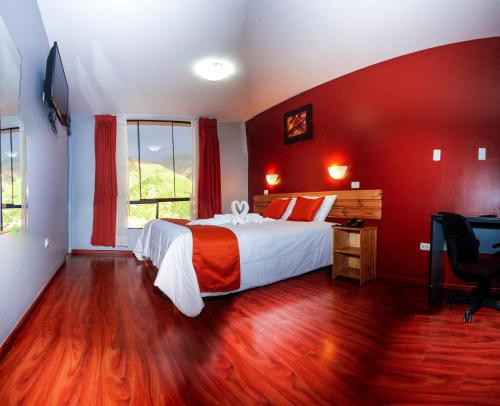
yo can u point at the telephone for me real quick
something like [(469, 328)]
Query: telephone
[(354, 222)]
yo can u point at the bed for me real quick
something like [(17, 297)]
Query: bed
[(268, 252)]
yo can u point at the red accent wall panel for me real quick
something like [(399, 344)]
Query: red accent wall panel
[(384, 121)]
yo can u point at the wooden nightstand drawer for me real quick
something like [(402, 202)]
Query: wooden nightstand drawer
[(355, 253)]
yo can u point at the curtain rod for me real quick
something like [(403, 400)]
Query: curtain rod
[(134, 120), (158, 117)]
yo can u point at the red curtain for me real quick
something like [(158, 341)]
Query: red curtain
[(105, 189), (209, 188)]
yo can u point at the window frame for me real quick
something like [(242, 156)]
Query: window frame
[(8, 131), (156, 201)]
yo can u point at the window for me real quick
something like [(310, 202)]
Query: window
[(10, 180), (160, 170)]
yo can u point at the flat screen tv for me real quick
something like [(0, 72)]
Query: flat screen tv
[(56, 88)]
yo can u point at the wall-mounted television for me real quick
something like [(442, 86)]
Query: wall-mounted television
[(56, 89)]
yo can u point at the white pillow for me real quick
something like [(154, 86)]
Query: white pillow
[(289, 208), (325, 207)]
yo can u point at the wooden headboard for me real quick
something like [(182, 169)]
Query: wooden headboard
[(362, 204)]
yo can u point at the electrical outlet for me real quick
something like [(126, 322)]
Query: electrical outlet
[(266, 191), (46, 242), (354, 185), (425, 246)]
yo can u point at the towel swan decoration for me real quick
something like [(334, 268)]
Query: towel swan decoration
[(239, 215), (240, 208)]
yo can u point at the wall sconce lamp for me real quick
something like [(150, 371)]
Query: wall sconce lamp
[(272, 179), (337, 172)]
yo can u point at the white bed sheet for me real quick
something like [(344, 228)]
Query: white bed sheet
[(269, 252)]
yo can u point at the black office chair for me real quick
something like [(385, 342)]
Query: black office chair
[(468, 265)]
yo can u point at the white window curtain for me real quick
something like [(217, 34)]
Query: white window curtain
[(194, 193), (24, 179), (122, 204)]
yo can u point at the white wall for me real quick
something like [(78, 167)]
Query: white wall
[(234, 163), (25, 265), (234, 174)]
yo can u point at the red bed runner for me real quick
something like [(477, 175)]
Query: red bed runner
[(216, 257)]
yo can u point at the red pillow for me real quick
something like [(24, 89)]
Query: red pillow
[(276, 208), (305, 209)]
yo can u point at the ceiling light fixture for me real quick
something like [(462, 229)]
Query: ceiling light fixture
[(12, 154), (214, 69), (154, 148)]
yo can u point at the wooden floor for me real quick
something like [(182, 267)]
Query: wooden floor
[(103, 335)]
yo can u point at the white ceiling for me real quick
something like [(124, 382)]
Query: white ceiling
[(136, 56)]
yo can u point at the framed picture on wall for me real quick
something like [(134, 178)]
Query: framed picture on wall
[(298, 124)]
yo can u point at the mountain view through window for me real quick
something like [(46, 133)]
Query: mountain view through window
[(10, 180), (160, 170)]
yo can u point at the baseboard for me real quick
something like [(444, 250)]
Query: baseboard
[(402, 279), (465, 288), (108, 253), (424, 282), (9, 341)]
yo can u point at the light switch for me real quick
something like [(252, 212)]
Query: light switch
[(481, 154), (266, 191), (354, 185), (436, 155), (425, 246)]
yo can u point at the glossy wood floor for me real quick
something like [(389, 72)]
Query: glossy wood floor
[(102, 335)]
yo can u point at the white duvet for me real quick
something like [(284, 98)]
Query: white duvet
[(269, 252)]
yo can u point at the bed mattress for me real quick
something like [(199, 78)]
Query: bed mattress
[(269, 252)]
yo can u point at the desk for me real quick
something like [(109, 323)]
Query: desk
[(487, 230)]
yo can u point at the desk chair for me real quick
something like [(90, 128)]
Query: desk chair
[(468, 265)]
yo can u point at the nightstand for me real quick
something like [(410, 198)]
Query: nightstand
[(355, 253)]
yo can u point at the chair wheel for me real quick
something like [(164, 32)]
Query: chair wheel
[(468, 316)]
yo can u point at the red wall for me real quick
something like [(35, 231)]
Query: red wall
[(384, 121)]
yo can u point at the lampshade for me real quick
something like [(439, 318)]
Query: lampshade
[(272, 178), (337, 172)]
